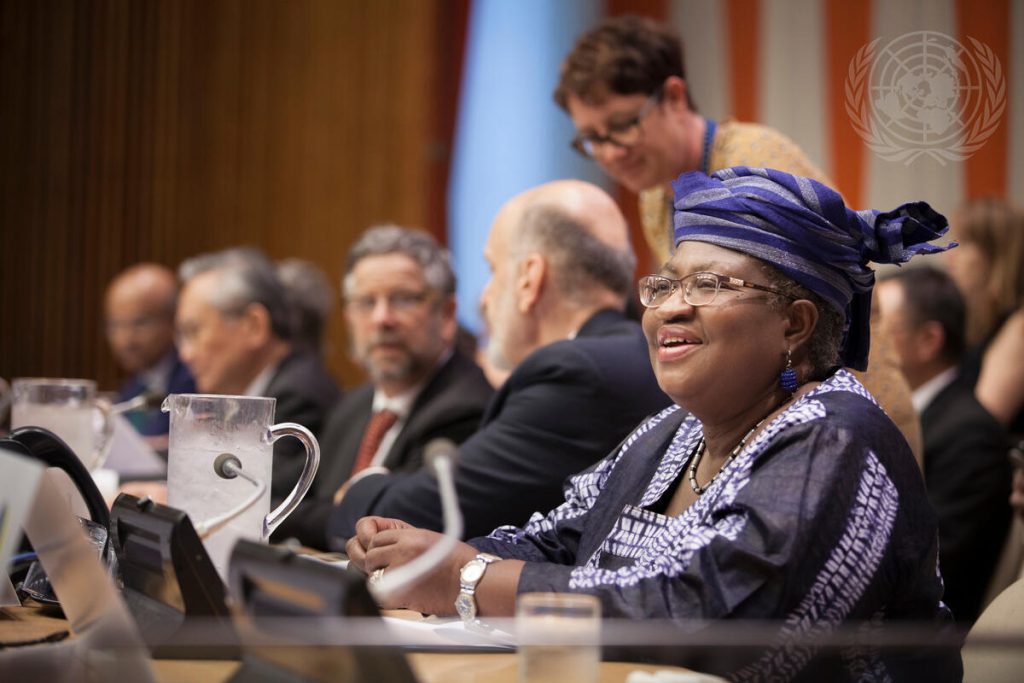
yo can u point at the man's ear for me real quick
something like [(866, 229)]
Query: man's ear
[(801, 320), (929, 340), (254, 323), (531, 281)]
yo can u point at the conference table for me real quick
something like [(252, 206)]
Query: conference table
[(33, 623)]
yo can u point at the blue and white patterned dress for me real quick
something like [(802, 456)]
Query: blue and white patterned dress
[(821, 520)]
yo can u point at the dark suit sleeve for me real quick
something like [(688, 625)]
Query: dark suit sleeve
[(559, 415), (967, 489), (458, 430)]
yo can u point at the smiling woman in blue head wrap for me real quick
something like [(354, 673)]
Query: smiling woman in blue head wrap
[(804, 230), (776, 488)]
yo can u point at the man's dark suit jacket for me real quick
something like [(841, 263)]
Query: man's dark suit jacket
[(450, 405), (562, 409), (305, 392), (968, 476), (155, 422)]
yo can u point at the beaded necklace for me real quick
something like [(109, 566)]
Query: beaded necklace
[(701, 447)]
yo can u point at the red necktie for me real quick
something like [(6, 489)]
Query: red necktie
[(378, 426)]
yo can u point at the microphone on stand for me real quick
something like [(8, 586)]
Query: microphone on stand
[(228, 466), (440, 455)]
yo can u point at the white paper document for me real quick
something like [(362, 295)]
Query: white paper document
[(434, 633), (130, 456)]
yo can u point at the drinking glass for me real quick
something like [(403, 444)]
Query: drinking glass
[(70, 409), (559, 637)]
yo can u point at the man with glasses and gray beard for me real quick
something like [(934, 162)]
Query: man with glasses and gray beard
[(399, 294), (561, 272)]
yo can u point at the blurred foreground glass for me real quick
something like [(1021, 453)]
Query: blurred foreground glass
[(205, 431), (559, 637), (70, 409)]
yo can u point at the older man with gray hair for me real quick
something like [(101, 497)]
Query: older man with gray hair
[(234, 332), (399, 292)]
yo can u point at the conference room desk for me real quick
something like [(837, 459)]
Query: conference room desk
[(22, 624), (430, 667)]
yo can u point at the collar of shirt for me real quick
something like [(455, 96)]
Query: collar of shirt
[(258, 387), (926, 393), (400, 405)]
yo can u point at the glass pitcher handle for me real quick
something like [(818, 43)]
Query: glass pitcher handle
[(102, 449), (278, 514)]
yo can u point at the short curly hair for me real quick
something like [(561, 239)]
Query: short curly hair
[(418, 245), (623, 56)]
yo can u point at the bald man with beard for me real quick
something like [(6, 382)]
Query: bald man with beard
[(561, 273), (139, 321)]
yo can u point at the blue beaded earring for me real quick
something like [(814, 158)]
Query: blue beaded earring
[(787, 378)]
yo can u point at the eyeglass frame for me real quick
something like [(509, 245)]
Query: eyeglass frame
[(112, 326), (677, 284), (401, 302), (580, 142)]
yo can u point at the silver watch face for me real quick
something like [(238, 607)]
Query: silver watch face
[(465, 605), (472, 572)]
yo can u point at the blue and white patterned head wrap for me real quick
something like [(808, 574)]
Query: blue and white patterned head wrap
[(804, 229)]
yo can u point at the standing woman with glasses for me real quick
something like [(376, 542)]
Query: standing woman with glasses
[(776, 488)]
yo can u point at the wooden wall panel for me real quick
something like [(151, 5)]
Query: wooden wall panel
[(157, 130)]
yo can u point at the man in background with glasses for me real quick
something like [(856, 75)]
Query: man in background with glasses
[(399, 302), (624, 86)]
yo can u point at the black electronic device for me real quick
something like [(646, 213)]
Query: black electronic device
[(272, 586), (44, 445), (169, 583)]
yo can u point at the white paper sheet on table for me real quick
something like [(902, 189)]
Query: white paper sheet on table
[(435, 633), (130, 456)]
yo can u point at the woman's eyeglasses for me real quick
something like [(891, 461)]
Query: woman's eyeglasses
[(625, 134), (699, 289)]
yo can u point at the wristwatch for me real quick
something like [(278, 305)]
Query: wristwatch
[(469, 577)]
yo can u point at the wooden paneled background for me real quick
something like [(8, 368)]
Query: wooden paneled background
[(158, 129)]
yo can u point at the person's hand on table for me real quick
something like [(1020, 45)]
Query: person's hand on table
[(366, 529), (381, 544)]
